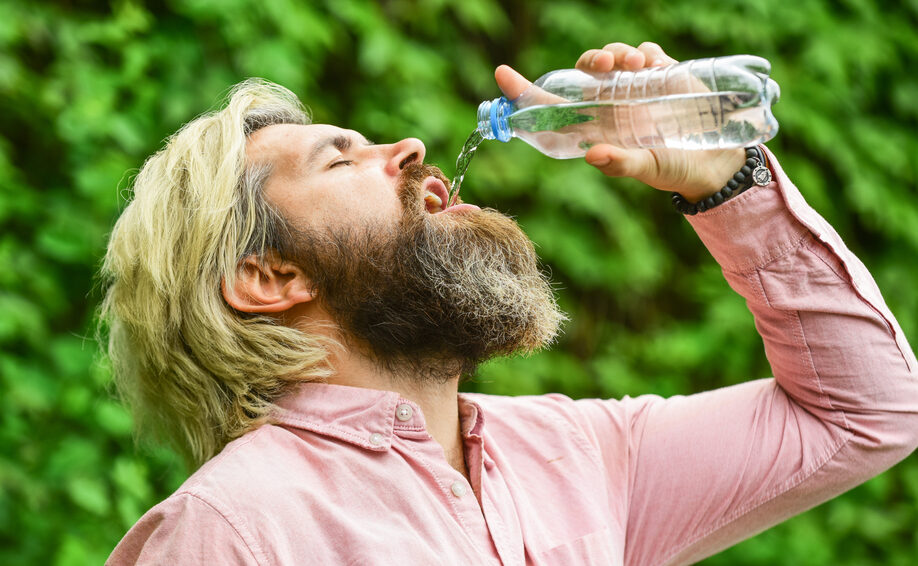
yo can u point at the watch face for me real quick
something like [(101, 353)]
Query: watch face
[(761, 175)]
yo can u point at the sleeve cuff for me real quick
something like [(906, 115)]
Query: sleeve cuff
[(761, 224)]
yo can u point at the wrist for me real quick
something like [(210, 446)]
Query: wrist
[(718, 170), (754, 171)]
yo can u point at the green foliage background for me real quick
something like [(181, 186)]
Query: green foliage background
[(89, 89)]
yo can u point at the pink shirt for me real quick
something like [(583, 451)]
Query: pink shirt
[(350, 476)]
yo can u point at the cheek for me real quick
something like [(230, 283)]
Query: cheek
[(367, 199), (375, 196)]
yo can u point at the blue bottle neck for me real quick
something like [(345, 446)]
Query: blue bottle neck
[(493, 119)]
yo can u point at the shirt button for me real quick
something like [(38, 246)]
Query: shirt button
[(458, 488), (376, 439), (404, 412)]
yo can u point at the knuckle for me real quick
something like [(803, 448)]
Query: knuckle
[(617, 46), (651, 46), (586, 60)]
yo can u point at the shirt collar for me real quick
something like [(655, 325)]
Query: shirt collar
[(470, 417), (360, 416)]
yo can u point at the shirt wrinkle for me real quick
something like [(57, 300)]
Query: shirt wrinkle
[(751, 506)]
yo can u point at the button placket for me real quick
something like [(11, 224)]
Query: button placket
[(456, 491)]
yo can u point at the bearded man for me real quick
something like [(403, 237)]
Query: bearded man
[(294, 307)]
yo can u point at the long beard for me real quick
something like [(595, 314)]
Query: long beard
[(432, 296)]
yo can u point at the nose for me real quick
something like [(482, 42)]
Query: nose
[(408, 150)]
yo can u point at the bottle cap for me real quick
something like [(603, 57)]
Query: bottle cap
[(492, 119)]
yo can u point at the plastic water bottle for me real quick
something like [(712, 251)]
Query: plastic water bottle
[(718, 103)]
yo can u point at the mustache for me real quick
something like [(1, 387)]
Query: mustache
[(412, 178)]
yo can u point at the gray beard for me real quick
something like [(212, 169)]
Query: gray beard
[(433, 296)]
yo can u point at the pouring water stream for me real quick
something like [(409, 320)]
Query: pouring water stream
[(462, 164)]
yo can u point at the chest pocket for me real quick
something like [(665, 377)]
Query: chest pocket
[(597, 548)]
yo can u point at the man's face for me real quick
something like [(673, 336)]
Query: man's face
[(327, 177), (424, 291)]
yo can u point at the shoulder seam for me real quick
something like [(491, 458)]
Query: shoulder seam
[(248, 541)]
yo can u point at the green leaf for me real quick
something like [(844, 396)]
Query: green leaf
[(90, 494)]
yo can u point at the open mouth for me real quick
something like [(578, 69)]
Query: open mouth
[(435, 195)]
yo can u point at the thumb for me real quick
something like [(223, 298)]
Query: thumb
[(511, 83), (617, 162)]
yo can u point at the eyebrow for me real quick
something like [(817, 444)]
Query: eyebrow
[(340, 142)]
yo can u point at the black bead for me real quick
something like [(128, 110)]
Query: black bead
[(751, 162), (717, 198), (726, 192), (739, 176), (709, 202), (751, 152), (682, 205), (746, 170), (732, 184)]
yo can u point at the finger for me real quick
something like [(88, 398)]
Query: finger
[(617, 162), (626, 57), (654, 55), (596, 60), (511, 83)]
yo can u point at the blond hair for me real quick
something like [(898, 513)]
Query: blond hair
[(190, 367)]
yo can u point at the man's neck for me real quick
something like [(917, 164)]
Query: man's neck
[(439, 401)]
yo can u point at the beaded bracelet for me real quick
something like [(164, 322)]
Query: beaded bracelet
[(754, 172)]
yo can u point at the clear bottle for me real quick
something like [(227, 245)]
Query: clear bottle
[(717, 103)]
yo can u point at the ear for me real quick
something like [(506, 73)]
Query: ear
[(267, 286)]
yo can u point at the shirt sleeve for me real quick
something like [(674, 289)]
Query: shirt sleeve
[(184, 529), (708, 470)]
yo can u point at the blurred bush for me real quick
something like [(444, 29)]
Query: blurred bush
[(89, 89)]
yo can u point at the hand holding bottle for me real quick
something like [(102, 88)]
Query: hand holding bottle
[(696, 173)]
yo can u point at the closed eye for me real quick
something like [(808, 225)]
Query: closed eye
[(342, 162)]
